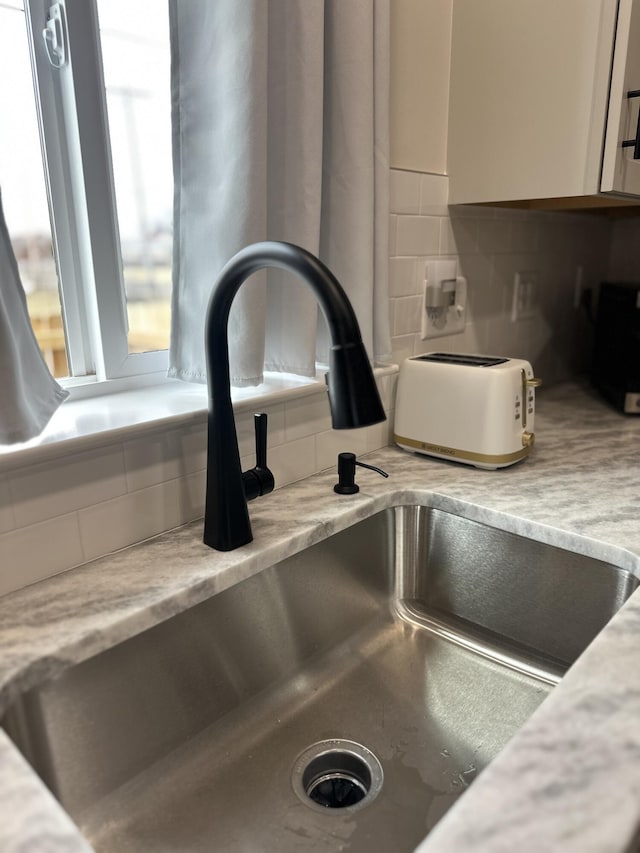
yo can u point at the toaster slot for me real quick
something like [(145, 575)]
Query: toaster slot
[(458, 358)]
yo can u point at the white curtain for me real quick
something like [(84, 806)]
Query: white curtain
[(29, 395), (280, 132)]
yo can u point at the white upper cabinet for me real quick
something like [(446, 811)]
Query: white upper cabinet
[(621, 159), (543, 96)]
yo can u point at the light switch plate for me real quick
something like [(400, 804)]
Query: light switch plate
[(525, 296)]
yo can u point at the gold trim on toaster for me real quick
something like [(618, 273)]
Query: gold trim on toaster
[(441, 450)]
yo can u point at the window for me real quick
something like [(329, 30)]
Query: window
[(103, 205), (24, 194), (135, 51)]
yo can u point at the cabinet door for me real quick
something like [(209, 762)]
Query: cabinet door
[(620, 168), (529, 93)]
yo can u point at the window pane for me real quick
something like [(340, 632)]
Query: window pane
[(136, 57), (24, 196)]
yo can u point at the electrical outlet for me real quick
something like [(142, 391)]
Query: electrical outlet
[(525, 296), (444, 300)]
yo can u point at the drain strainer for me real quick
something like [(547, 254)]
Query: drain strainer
[(337, 774)]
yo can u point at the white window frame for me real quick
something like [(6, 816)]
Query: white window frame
[(72, 109)]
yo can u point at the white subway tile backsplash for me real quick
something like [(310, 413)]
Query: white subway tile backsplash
[(403, 276), (306, 417), (163, 456), (402, 347), (379, 435), (483, 298), (494, 236), (192, 492), (459, 236), (46, 491), (406, 315), (150, 460), (491, 245), (404, 191), (418, 235), (507, 338), (524, 235), (472, 340), (193, 448), (38, 551), (329, 444), (116, 523), (292, 461), (434, 195)]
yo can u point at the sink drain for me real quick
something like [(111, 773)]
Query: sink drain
[(337, 774)]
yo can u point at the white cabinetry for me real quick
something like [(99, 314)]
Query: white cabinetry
[(539, 104)]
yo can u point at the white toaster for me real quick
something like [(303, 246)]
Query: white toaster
[(474, 409)]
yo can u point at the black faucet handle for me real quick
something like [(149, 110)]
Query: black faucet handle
[(260, 426), (259, 480), (346, 484)]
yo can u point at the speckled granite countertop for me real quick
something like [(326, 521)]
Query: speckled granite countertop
[(568, 781)]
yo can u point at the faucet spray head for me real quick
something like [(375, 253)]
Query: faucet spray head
[(353, 395)]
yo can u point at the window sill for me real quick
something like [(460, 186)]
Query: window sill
[(81, 424)]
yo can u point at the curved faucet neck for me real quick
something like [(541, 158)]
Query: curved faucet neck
[(334, 302), (353, 395)]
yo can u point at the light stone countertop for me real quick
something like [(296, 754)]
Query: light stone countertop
[(568, 781)]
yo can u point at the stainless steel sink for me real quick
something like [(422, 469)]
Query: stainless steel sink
[(342, 699)]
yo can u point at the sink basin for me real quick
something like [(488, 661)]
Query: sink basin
[(343, 698)]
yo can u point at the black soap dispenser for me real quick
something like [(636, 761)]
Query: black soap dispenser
[(346, 484)]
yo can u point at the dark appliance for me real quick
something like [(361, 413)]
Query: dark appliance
[(615, 371)]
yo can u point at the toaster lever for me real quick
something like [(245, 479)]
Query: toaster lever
[(346, 484), (527, 382)]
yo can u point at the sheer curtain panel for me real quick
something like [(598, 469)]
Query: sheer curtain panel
[(280, 132), (29, 395)]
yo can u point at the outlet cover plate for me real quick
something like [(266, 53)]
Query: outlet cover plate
[(525, 296), (444, 301)]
